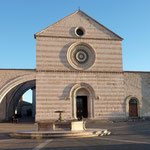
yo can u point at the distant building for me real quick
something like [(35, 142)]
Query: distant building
[(79, 70), (24, 108)]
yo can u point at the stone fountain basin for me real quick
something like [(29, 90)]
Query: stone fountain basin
[(60, 129), (62, 126)]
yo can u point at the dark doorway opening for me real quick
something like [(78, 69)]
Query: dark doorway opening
[(82, 111), (133, 111)]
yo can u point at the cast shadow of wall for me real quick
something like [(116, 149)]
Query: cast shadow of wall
[(63, 56), (66, 91)]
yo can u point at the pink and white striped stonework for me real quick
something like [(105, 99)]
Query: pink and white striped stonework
[(79, 71), (60, 81)]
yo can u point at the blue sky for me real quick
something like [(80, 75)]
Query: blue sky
[(21, 19)]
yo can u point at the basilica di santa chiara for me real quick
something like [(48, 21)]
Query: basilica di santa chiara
[(79, 70)]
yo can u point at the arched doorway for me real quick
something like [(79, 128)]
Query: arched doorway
[(133, 108), (82, 97)]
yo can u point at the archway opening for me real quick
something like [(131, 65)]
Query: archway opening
[(133, 108), (13, 103), (25, 108), (22, 104)]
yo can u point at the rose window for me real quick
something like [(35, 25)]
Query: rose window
[(81, 56)]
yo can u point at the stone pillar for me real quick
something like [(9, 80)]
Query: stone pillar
[(22, 98), (33, 101)]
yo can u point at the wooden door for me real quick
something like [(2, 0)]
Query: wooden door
[(133, 111), (81, 102)]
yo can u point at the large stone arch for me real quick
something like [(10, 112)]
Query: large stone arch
[(91, 98), (139, 104), (19, 91), (13, 83), (12, 91)]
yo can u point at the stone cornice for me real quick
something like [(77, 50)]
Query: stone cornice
[(83, 38), (136, 71), (67, 71), (18, 69)]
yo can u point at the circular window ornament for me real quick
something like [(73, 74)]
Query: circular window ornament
[(81, 56), (79, 31)]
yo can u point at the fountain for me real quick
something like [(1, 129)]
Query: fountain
[(62, 125), (60, 129)]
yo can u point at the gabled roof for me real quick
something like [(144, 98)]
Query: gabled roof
[(80, 11)]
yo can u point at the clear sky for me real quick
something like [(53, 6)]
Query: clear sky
[(21, 19)]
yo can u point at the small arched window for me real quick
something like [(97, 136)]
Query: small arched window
[(133, 101)]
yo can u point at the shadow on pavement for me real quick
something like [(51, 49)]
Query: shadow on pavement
[(124, 128), (104, 147), (4, 136)]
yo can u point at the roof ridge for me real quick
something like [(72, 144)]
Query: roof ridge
[(100, 24), (56, 23), (79, 10)]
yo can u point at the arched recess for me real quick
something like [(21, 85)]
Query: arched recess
[(90, 98), (12, 91), (139, 105)]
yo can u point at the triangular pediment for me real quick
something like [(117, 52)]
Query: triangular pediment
[(66, 28)]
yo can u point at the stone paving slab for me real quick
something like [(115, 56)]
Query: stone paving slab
[(125, 136)]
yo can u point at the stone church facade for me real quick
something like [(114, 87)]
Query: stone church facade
[(79, 71)]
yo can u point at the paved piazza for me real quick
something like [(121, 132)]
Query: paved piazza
[(125, 135)]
